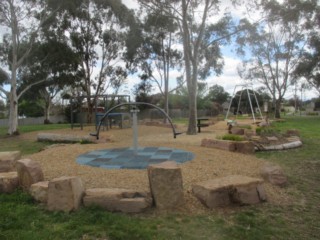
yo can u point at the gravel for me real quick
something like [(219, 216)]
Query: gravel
[(60, 160)]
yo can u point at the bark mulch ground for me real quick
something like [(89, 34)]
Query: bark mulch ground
[(60, 160)]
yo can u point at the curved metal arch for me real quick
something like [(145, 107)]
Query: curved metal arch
[(131, 104)]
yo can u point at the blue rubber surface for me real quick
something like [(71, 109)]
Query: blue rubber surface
[(120, 158)]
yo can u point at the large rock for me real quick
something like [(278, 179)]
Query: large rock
[(231, 146), (8, 160), (219, 144), (245, 147), (65, 194), (274, 174), (117, 200), (29, 172), (228, 190), (166, 185), (62, 138), (8, 182), (237, 131), (39, 191), (249, 133)]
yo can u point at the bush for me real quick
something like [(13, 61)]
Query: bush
[(312, 113), (232, 137), (245, 126), (266, 131)]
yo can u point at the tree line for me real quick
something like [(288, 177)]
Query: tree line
[(88, 47)]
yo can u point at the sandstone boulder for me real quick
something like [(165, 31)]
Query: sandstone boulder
[(65, 194), (118, 200), (245, 147), (263, 124), (166, 185), (29, 172), (8, 182), (39, 191), (237, 131), (274, 174), (62, 138), (8, 160), (272, 138), (249, 133), (229, 190), (219, 144)]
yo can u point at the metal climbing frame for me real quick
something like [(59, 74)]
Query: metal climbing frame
[(246, 88), (134, 104)]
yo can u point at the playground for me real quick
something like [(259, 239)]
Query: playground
[(60, 160)]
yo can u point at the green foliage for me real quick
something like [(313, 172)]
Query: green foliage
[(232, 137), (85, 141), (312, 113), (30, 108), (244, 126), (217, 94), (267, 131), (265, 49)]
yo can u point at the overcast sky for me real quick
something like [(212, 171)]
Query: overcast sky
[(228, 79)]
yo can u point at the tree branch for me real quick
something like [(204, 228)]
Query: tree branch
[(30, 86)]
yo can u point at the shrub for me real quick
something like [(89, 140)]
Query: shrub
[(266, 131), (245, 126), (85, 141), (312, 113), (232, 137)]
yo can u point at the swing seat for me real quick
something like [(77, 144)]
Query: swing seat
[(231, 122)]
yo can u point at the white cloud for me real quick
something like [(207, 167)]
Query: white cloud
[(229, 78), (131, 4)]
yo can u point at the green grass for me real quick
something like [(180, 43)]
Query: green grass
[(232, 137), (13, 143), (20, 218), (32, 128)]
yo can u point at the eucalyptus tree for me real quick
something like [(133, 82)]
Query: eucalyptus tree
[(202, 32), (22, 21), (309, 64), (217, 94), (275, 46), (158, 57), (97, 39), (56, 63)]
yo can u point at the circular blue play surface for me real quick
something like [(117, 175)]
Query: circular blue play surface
[(119, 158)]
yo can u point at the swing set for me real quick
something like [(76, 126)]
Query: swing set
[(246, 89)]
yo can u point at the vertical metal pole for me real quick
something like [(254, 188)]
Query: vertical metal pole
[(231, 102), (254, 118), (255, 97), (135, 130), (239, 103)]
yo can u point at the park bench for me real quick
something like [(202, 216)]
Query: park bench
[(200, 124)]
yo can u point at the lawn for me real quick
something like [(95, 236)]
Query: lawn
[(8, 143), (20, 218)]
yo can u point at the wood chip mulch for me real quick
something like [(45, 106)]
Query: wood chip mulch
[(60, 160)]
